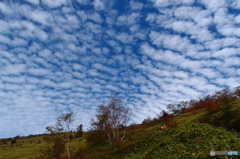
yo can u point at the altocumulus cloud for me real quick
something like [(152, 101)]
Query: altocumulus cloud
[(59, 56)]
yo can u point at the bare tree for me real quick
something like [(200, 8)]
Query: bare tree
[(173, 108), (112, 118), (63, 126)]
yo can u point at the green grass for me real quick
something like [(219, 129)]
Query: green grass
[(192, 140), (189, 141), (188, 138), (30, 147), (187, 118), (24, 148)]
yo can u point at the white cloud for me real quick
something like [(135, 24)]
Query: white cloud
[(225, 53), (48, 83), (232, 61), (5, 8), (229, 30), (98, 5), (94, 28), (93, 72), (73, 21), (13, 69), (237, 19), (134, 28), (54, 3), (163, 3), (36, 2), (173, 42), (82, 15), (128, 19), (95, 17), (40, 16), (232, 82), (18, 42), (218, 44), (124, 38), (79, 75), (214, 5), (83, 1), (65, 85), (136, 5), (235, 4), (4, 26), (17, 79), (79, 67), (4, 39), (45, 53), (38, 71)]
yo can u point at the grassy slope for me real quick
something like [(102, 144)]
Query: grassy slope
[(189, 139), (27, 148)]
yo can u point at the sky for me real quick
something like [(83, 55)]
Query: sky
[(58, 56)]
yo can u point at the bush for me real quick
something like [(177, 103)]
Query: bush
[(169, 117), (71, 137), (81, 153), (4, 142), (57, 149), (13, 141), (9, 139), (95, 136), (235, 125)]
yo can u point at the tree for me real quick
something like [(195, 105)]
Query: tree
[(62, 126), (174, 108), (112, 118), (147, 121), (79, 132), (164, 113), (236, 91)]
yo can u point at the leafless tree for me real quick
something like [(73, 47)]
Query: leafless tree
[(112, 118), (63, 126)]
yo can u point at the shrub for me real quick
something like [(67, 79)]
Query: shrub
[(13, 141), (169, 117), (4, 142), (9, 139), (81, 153), (195, 112), (95, 136), (71, 137), (57, 149), (235, 125)]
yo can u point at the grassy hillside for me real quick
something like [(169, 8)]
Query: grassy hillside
[(29, 147), (192, 134), (187, 138)]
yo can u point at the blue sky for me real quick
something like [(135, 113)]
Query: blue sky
[(58, 56)]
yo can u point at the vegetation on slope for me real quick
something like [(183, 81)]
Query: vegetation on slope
[(210, 123)]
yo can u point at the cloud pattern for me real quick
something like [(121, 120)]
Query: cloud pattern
[(69, 55)]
